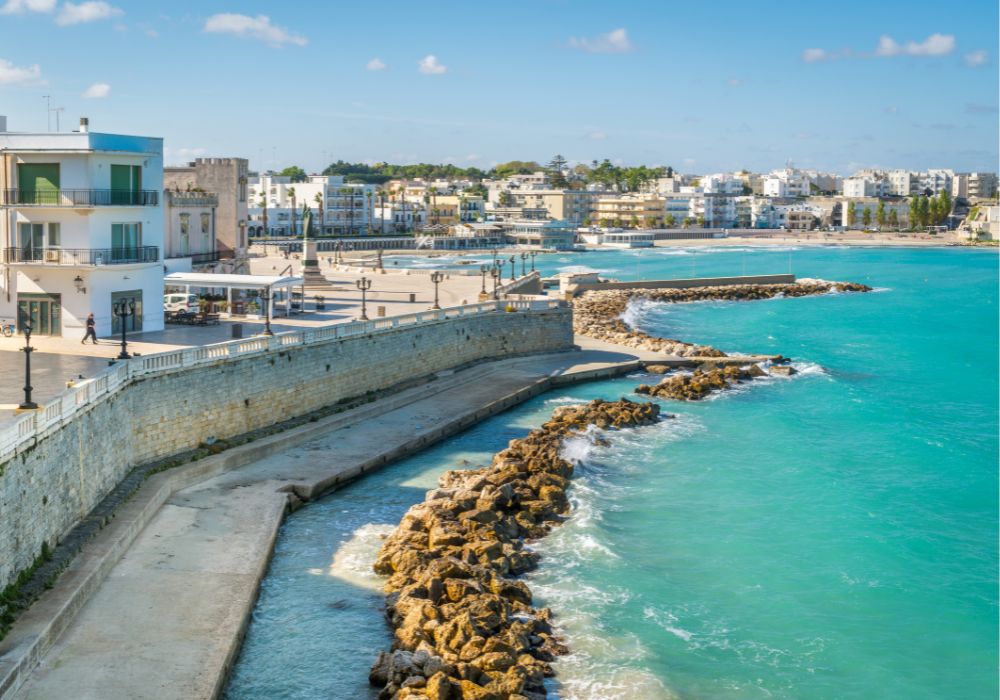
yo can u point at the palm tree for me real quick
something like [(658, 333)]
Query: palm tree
[(291, 195), (263, 205), (371, 212), (381, 194), (319, 206)]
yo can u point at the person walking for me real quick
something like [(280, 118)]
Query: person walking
[(91, 331)]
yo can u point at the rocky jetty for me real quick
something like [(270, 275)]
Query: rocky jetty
[(464, 625), (597, 314), (700, 383)]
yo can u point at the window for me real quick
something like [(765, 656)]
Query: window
[(125, 241), (126, 181), (185, 224), (205, 220), (54, 236)]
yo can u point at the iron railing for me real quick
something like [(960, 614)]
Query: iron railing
[(79, 198), (82, 256)]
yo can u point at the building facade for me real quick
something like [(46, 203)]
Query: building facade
[(189, 229), (227, 179), (82, 227), (338, 208)]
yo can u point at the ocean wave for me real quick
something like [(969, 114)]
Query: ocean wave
[(353, 560), (582, 269)]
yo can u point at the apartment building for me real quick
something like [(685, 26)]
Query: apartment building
[(399, 216), (452, 209), (788, 182), (566, 205), (82, 229), (904, 183), (864, 186), (227, 179), (974, 186), (629, 210), (338, 208)]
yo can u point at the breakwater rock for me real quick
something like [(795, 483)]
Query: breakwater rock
[(700, 383), (464, 625), (597, 314)]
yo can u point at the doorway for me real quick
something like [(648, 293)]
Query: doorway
[(43, 310)]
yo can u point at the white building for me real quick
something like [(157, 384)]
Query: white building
[(347, 208), (788, 182), (396, 217), (721, 183), (189, 229), (903, 183), (82, 229), (974, 185), (855, 187)]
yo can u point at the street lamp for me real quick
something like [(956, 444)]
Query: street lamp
[(533, 254), (267, 296), (364, 284), (436, 278), (513, 269), (380, 265), (27, 349), (483, 269), (123, 309), (524, 257), (495, 273)]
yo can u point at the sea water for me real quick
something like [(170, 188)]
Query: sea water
[(829, 535)]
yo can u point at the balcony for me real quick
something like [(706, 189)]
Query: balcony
[(82, 256), (79, 198)]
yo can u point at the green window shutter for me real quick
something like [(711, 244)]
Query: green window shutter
[(126, 181), (38, 183)]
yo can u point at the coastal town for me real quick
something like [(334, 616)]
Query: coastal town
[(544, 352)]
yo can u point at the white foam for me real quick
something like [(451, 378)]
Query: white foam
[(353, 560)]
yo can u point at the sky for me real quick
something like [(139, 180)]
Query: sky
[(702, 87)]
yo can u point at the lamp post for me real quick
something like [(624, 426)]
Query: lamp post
[(266, 296), (524, 258), (533, 254), (123, 310), (483, 269), (380, 265), (27, 349), (436, 278), (364, 284), (495, 273), (513, 268)]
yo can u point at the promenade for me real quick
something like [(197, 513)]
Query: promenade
[(155, 605)]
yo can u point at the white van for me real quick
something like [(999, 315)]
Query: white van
[(180, 302)]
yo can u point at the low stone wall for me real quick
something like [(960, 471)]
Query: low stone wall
[(48, 487), (581, 287)]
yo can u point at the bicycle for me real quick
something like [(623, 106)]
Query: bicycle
[(7, 329)]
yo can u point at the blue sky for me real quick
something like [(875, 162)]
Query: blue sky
[(699, 86)]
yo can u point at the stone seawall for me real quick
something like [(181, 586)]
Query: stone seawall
[(49, 487)]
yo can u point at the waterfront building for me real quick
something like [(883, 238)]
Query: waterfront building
[(82, 229), (787, 182), (447, 210), (904, 183), (226, 178), (338, 207), (569, 205), (864, 186), (399, 216), (189, 238), (645, 211), (974, 186), (551, 235), (517, 213), (721, 183)]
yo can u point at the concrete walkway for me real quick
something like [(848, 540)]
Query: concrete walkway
[(156, 605)]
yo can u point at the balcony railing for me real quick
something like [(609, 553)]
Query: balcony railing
[(79, 198), (82, 256)]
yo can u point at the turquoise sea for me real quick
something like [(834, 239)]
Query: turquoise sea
[(827, 536)]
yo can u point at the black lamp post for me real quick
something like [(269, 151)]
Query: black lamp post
[(533, 254), (380, 265), (267, 296), (26, 328), (513, 268), (364, 284), (123, 309), (524, 258), (495, 273), (436, 278), (483, 269)]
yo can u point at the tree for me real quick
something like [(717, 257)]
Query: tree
[(866, 217), (291, 195), (263, 205), (634, 221), (650, 221), (893, 218), (944, 206), (555, 168), (294, 172), (319, 208), (880, 214), (852, 214), (516, 167), (700, 220), (670, 221), (670, 172)]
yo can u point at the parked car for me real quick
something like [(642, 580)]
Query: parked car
[(173, 303)]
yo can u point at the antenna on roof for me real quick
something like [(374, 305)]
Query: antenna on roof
[(57, 110), (48, 111)]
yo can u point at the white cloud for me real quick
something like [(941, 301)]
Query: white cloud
[(13, 75), (597, 135), (615, 41), (974, 59), (16, 7), (97, 91), (934, 45), (376, 64), (152, 33), (734, 82), (892, 109), (429, 65), (259, 28), (91, 11)]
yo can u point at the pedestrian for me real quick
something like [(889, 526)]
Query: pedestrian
[(91, 331)]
